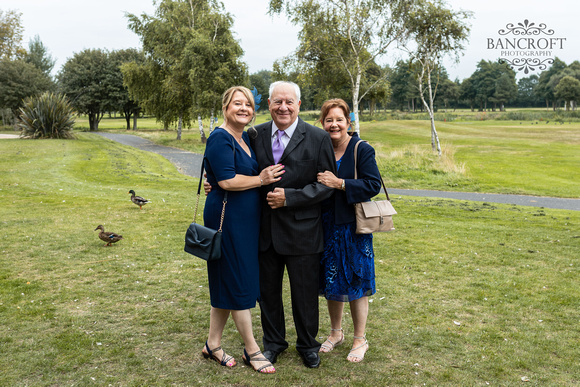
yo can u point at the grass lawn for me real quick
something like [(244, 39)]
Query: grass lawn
[(468, 293), (490, 156)]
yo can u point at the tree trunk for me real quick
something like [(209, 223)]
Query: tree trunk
[(212, 121), (201, 132), (355, 94), (435, 145), (128, 120), (179, 126), (93, 122)]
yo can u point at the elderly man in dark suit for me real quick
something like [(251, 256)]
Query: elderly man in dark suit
[(291, 234)]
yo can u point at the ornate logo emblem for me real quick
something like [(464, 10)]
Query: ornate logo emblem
[(526, 46)]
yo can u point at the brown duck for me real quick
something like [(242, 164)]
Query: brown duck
[(138, 200), (109, 237)]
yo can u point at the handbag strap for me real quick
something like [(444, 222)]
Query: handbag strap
[(199, 192), (355, 173)]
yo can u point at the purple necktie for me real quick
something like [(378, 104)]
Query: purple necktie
[(278, 147)]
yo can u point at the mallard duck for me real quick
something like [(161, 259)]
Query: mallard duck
[(138, 200), (109, 237)]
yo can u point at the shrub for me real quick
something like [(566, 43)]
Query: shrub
[(46, 116)]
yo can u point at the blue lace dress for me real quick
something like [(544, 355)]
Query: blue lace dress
[(347, 266)]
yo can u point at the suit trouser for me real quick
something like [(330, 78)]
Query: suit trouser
[(303, 275)]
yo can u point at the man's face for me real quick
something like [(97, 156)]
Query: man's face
[(284, 106)]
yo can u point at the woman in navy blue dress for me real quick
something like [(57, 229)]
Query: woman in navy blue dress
[(347, 272), (234, 285)]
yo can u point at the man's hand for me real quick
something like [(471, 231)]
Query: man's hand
[(276, 198)]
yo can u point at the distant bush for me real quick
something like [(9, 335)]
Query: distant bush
[(537, 116), (46, 116), (398, 115)]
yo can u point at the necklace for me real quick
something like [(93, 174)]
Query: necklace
[(234, 135), (340, 145)]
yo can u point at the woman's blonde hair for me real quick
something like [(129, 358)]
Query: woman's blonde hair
[(229, 94), (331, 104)]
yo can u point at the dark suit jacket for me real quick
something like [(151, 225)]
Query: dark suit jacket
[(367, 184), (297, 228)]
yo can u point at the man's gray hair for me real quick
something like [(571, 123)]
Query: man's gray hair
[(277, 83)]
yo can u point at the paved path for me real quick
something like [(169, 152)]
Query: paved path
[(189, 164)]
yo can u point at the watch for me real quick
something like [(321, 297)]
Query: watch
[(343, 185)]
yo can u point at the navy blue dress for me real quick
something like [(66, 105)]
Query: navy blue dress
[(233, 279)]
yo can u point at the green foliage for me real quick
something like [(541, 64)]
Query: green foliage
[(341, 40), (527, 92), (46, 116), (568, 89), (11, 35), (492, 82), (404, 85), (505, 89), (261, 81), (19, 80), (87, 79), (545, 89), (191, 59), (38, 55), (120, 99), (437, 31)]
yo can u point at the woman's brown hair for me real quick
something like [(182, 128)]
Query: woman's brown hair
[(331, 104)]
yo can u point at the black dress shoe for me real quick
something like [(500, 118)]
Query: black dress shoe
[(272, 356), (310, 359)]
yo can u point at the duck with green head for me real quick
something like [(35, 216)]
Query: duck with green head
[(138, 200)]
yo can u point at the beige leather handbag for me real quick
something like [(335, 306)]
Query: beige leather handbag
[(373, 216)]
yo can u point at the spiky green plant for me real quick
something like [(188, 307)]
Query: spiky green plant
[(46, 116)]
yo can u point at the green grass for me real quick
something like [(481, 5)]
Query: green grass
[(488, 156), (137, 313)]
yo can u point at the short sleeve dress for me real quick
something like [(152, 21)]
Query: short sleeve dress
[(233, 279)]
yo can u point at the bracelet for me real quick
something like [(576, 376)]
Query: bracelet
[(261, 181)]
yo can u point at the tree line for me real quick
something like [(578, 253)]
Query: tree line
[(189, 56)]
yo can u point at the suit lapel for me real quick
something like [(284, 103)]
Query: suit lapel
[(296, 139), (266, 141)]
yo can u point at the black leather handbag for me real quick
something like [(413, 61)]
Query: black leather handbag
[(201, 241)]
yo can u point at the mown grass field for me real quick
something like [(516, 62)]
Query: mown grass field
[(468, 293), (489, 156)]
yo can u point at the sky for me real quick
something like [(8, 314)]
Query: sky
[(69, 26)]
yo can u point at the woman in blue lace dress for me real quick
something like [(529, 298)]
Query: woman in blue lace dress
[(347, 272)]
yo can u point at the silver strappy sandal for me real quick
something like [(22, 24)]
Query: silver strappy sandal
[(325, 348), (356, 358)]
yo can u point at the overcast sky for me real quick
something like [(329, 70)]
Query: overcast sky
[(69, 26)]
